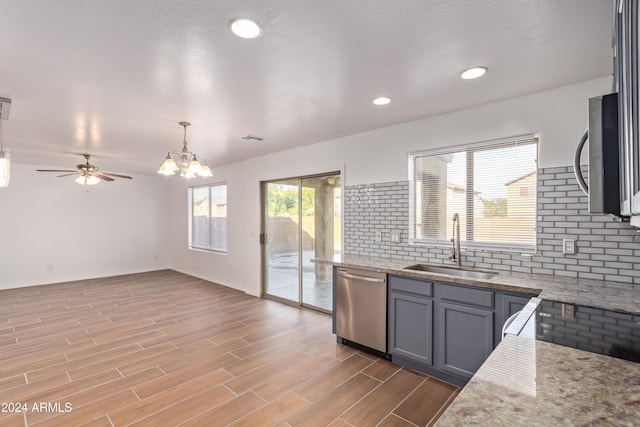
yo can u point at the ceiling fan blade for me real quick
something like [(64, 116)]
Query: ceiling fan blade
[(116, 175), (102, 176), (55, 170), (68, 174)]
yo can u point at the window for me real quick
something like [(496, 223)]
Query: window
[(208, 217), (491, 185)]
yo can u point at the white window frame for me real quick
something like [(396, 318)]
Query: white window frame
[(502, 246), (210, 247)]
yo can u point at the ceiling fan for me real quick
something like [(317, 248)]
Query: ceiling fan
[(89, 174)]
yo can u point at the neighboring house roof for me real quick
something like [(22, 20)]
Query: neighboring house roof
[(513, 181)]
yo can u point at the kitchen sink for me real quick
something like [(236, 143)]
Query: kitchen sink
[(452, 271)]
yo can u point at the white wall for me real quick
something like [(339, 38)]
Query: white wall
[(122, 226), (53, 230), (559, 116)]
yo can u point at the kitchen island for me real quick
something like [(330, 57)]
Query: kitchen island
[(535, 383)]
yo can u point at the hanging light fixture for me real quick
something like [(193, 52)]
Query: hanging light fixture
[(185, 161), (5, 156), (86, 179)]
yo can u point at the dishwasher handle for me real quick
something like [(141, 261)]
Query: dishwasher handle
[(358, 277)]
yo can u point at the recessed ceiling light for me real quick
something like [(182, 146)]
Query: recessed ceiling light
[(245, 28), (473, 72), (381, 100)]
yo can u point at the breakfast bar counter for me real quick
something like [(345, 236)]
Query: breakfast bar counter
[(535, 383)]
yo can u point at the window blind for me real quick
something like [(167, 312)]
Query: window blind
[(491, 185)]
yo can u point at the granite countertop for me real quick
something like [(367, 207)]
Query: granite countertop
[(594, 293), (535, 383)]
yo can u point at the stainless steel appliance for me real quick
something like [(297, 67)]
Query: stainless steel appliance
[(361, 307), (614, 126), (604, 155), (626, 69)]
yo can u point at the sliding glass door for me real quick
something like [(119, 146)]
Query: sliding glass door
[(301, 221)]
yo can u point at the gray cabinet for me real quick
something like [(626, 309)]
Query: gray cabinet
[(465, 338), (410, 337), (446, 330), (508, 304), (464, 328)]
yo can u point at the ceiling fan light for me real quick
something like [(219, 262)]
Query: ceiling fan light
[(92, 180), (87, 179), (5, 168), (5, 156)]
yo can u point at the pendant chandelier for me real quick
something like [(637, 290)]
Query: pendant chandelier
[(5, 157), (184, 161)]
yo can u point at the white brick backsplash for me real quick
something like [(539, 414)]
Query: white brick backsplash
[(606, 249)]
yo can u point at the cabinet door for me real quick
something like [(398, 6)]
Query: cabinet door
[(511, 304), (508, 305), (464, 338), (411, 327)]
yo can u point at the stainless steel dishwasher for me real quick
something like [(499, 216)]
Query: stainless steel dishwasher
[(361, 308)]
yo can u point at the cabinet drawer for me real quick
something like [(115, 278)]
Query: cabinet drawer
[(476, 297), (411, 286)]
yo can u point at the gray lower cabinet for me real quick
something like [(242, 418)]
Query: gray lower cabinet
[(445, 330), (510, 304), (410, 331), (465, 338)]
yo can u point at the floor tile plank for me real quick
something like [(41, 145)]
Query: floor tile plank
[(373, 408), (165, 348), (273, 412), (325, 410), (425, 401)]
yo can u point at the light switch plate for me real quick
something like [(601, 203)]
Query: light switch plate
[(378, 236), (395, 237)]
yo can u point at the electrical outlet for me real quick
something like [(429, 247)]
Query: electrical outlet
[(568, 310), (568, 247), (378, 236)]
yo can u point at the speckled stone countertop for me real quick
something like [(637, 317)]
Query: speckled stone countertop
[(602, 294), (535, 383)]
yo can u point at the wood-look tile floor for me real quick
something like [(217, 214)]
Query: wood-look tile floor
[(167, 349)]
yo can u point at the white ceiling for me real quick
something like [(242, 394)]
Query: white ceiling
[(114, 77)]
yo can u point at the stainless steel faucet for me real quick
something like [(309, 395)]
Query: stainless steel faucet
[(455, 241)]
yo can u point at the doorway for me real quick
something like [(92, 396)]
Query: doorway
[(301, 220)]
